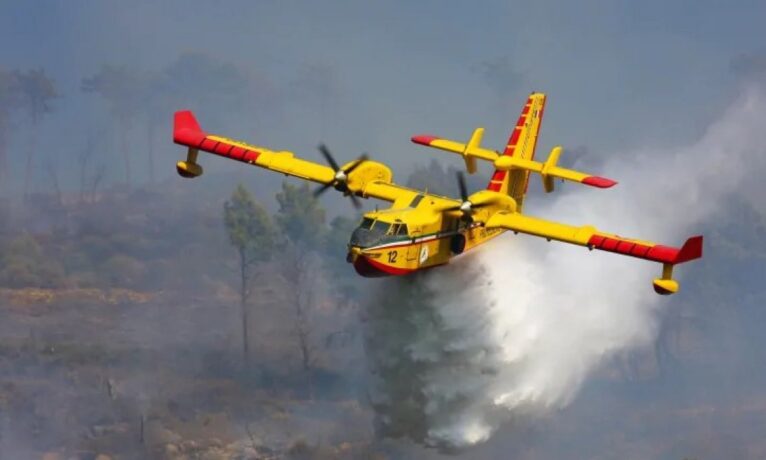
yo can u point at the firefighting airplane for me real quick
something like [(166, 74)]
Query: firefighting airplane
[(423, 230)]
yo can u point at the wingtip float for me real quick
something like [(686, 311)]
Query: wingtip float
[(422, 230)]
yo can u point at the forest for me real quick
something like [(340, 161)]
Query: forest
[(145, 319), (145, 316)]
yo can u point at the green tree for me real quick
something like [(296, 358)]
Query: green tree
[(252, 234), (300, 216), (35, 92), (302, 220)]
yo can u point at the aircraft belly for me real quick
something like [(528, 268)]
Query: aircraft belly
[(394, 260)]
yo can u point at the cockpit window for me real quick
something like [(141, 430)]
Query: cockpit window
[(367, 223), (397, 229), (373, 232)]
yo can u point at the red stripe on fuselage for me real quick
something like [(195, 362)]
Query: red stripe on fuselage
[(373, 269)]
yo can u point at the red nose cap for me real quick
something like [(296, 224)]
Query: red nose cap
[(600, 182)]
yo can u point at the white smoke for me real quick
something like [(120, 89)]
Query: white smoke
[(531, 320)]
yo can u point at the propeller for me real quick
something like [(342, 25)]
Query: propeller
[(466, 207), (340, 181)]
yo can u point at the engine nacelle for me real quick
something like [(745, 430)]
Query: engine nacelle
[(369, 171)]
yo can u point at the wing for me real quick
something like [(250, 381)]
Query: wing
[(594, 239), (187, 132), (370, 179)]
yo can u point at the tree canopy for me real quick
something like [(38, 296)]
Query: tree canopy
[(248, 225), (300, 215), (35, 92)]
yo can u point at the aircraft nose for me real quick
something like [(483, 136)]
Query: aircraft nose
[(353, 253)]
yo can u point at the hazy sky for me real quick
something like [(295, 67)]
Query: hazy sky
[(621, 77), (365, 76)]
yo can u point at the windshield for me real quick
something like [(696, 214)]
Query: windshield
[(367, 223), (397, 229), (371, 232)]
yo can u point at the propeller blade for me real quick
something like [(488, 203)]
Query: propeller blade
[(461, 184), (356, 164), (355, 201), (339, 184), (328, 157), (320, 190)]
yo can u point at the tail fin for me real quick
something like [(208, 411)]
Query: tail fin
[(520, 145)]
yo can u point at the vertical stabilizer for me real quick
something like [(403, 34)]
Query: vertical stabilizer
[(521, 145)]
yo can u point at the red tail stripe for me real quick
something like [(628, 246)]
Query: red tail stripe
[(512, 142), (510, 147), (534, 146)]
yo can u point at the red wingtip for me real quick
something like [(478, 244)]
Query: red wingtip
[(691, 250), (186, 130), (423, 139), (600, 182)]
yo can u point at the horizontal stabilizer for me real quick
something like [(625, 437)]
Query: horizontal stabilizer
[(471, 150), (548, 170)]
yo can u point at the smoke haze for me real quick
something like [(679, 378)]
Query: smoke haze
[(524, 349), (516, 329)]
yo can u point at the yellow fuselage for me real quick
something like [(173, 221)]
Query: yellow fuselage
[(414, 236)]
